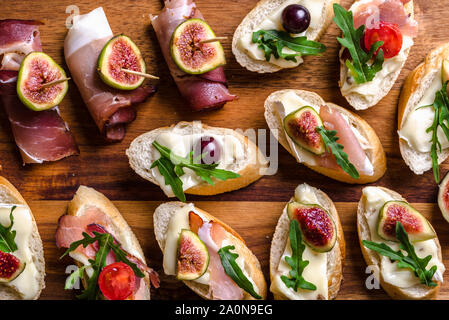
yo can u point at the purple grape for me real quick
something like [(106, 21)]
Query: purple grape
[(210, 148), (295, 18)]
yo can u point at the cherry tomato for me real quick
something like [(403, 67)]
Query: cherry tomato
[(117, 281), (388, 33)]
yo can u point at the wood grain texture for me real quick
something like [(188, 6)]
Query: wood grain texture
[(252, 211)]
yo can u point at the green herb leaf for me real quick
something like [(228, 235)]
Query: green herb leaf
[(232, 269), (296, 262), (171, 167), (74, 276), (273, 41), (7, 235), (359, 67), (440, 120), (105, 245), (330, 141), (411, 261)]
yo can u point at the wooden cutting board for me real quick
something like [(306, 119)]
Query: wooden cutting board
[(253, 211)]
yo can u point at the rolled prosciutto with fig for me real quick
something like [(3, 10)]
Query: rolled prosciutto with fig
[(201, 90), (40, 135), (110, 108)]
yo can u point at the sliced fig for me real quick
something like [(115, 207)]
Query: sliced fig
[(416, 226), (300, 125), (189, 54), (121, 53), (193, 257), (36, 70), (10, 267), (443, 197), (317, 226)]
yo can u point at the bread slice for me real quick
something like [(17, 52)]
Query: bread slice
[(140, 159), (162, 216), (255, 17), (376, 154), (88, 197), (357, 100), (418, 81), (419, 291), (335, 257), (10, 195)]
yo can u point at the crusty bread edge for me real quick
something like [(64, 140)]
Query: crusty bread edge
[(376, 155), (371, 258), (356, 99), (86, 197), (280, 236), (9, 193), (162, 216), (258, 13)]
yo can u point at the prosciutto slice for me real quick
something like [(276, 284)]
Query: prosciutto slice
[(206, 91), (111, 109), (71, 228), (41, 136), (392, 11)]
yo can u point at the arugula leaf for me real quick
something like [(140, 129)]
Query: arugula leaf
[(359, 67), (296, 262), (7, 235), (171, 167), (411, 261), (232, 269), (330, 141), (273, 41), (74, 276), (105, 245), (440, 120)]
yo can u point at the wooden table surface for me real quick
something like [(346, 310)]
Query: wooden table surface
[(253, 211)]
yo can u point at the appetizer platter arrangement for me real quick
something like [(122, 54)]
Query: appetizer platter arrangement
[(237, 150)]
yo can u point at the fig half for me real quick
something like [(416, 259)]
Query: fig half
[(121, 53), (10, 267), (189, 54), (443, 197), (300, 126), (36, 70), (414, 223), (317, 227), (193, 257)]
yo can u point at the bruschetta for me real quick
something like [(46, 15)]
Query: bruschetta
[(296, 24), (232, 161), (368, 73), (207, 254), (22, 264), (308, 230), (399, 244), (325, 137), (111, 263)]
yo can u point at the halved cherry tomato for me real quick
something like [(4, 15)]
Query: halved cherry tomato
[(388, 33), (117, 281)]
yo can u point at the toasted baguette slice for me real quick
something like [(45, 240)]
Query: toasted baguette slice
[(419, 291), (376, 155), (259, 13), (418, 81), (359, 101), (251, 169), (335, 257), (86, 197), (162, 216), (10, 195)]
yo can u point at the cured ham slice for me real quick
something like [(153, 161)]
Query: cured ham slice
[(392, 11), (41, 136), (111, 109), (206, 91), (71, 229), (333, 120)]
